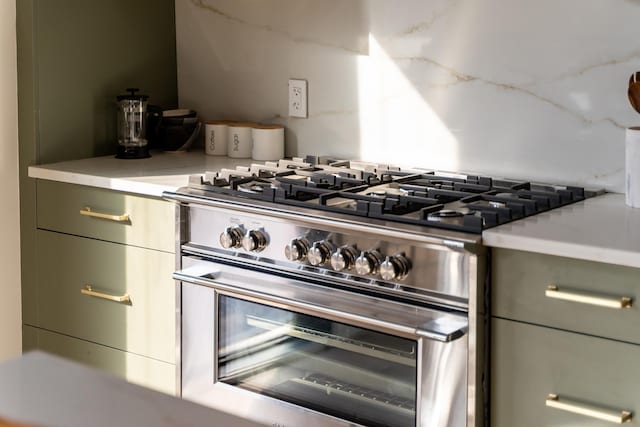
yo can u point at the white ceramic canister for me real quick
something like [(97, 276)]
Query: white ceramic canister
[(268, 142), (239, 142), (215, 137), (632, 167)]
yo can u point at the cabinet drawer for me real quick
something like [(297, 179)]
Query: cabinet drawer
[(529, 362), (141, 370), (150, 223), (66, 264), (520, 281)]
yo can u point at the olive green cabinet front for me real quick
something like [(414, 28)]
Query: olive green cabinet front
[(595, 376), (564, 342), (106, 215), (583, 296), (141, 370), (111, 294), (102, 291)]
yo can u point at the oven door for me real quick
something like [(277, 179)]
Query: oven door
[(287, 352)]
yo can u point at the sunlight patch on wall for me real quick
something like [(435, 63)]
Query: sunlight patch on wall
[(397, 125)]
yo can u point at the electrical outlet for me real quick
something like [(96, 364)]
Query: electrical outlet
[(297, 98)]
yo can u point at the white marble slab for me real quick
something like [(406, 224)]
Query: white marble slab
[(46, 390), (162, 172), (602, 229), (525, 89)]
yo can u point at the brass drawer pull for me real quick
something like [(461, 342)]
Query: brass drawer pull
[(553, 291), (617, 417), (88, 290), (118, 218)]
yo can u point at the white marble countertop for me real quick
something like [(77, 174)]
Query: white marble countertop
[(44, 390), (602, 228), (164, 171)]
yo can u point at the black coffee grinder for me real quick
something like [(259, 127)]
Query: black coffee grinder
[(132, 123)]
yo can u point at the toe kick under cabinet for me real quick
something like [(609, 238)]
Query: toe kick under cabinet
[(565, 342), (103, 293)]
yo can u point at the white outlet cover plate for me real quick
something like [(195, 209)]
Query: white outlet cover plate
[(297, 98)]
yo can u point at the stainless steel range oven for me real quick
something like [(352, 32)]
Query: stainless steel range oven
[(307, 296)]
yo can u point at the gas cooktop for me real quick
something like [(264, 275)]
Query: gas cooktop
[(469, 203)]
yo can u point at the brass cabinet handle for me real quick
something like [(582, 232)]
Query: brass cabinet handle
[(617, 417), (88, 290), (118, 218), (553, 291)]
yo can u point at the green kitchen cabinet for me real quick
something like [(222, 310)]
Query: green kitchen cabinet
[(74, 58), (103, 281), (141, 370), (71, 268), (81, 210), (564, 340)]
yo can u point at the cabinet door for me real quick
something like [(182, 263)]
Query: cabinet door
[(106, 215), (530, 362), (67, 264), (520, 292), (141, 370)]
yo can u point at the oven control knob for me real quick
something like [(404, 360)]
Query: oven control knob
[(231, 237), (368, 262), (320, 252), (296, 250), (254, 241), (343, 258), (395, 267)]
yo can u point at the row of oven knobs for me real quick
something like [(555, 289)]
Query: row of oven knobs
[(251, 241), (369, 262)]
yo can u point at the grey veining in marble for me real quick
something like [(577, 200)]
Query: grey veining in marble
[(533, 90)]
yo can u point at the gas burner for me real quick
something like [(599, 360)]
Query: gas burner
[(507, 195), (495, 204), (390, 190), (445, 213), (254, 187)]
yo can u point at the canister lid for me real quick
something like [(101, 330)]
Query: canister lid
[(132, 95)]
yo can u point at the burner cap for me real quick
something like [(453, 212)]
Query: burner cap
[(446, 213), (508, 195), (377, 193), (254, 187), (495, 204)]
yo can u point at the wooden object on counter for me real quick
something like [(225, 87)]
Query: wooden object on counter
[(42, 389), (9, 423)]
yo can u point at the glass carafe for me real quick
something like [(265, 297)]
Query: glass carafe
[(132, 118)]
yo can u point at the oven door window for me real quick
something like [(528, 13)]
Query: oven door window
[(341, 370)]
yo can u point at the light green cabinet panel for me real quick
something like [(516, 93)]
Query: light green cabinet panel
[(88, 52), (529, 362), (151, 222), (66, 264), (520, 280), (160, 376)]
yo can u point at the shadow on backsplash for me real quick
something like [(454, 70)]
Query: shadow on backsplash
[(450, 84)]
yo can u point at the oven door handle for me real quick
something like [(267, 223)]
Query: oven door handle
[(387, 316)]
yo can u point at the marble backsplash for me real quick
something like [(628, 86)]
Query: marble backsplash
[(516, 88)]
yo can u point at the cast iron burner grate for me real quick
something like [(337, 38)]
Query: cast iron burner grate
[(469, 203)]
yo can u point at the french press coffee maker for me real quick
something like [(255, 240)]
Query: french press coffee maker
[(132, 123)]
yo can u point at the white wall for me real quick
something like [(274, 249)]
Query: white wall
[(10, 317), (516, 88)]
